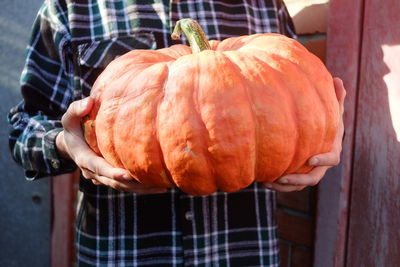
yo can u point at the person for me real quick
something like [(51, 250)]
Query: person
[(123, 222)]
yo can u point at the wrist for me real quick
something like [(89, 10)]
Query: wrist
[(60, 146)]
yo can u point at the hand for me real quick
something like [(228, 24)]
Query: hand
[(71, 145), (322, 162)]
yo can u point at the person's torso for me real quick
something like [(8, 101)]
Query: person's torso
[(225, 228), (102, 30)]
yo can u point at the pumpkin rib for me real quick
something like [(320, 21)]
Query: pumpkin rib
[(280, 43), (114, 71), (197, 109), (230, 44), (228, 122), (308, 75), (132, 71), (302, 54), (168, 174), (294, 68), (105, 130), (263, 82), (272, 43), (306, 167), (143, 160), (207, 141), (315, 65), (251, 107), (324, 95), (181, 133), (126, 63), (175, 51)]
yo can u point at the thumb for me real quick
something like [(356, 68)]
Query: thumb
[(77, 110), (339, 90), (82, 107)]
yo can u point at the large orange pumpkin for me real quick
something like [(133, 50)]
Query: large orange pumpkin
[(245, 109)]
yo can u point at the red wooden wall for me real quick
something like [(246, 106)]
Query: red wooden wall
[(375, 191), (359, 205), (64, 190)]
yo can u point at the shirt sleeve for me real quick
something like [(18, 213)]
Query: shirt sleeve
[(46, 87), (286, 26)]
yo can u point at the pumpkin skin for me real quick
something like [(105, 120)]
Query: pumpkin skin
[(253, 108)]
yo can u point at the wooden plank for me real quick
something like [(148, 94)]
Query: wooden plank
[(374, 236), (343, 54), (63, 223), (309, 16)]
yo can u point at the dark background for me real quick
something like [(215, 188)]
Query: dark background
[(25, 206)]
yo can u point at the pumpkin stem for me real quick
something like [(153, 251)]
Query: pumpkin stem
[(193, 32)]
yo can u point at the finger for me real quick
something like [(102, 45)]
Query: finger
[(283, 188), (95, 182), (309, 179), (87, 174), (331, 158), (76, 111), (129, 186), (90, 176), (326, 159), (99, 166), (88, 160), (339, 90)]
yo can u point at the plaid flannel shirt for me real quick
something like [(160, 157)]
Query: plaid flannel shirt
[(72, 41)]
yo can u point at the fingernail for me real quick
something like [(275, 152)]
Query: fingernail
[(127, 176), (283, 181), (314, 161), (83, 104), (122, 174)]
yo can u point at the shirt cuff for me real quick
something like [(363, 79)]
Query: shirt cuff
[(55, 164)]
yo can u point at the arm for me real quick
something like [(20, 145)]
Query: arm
[(46, 136), (46, 90)]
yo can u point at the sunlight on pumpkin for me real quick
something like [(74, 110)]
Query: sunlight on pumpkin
[(392, 80)]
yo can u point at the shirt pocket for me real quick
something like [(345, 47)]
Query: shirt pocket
[(92, 58)]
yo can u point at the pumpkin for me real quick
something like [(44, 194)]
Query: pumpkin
[(218, 115)]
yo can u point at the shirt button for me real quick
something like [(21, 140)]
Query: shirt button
[(189, 216), (54, 164)]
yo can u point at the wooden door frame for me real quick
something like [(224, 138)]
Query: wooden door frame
[(344, 46), (64, 198)]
